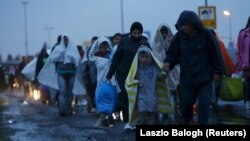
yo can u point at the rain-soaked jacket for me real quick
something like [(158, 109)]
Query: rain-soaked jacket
[(196, 55)]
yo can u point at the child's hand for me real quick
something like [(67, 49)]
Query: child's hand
[(137, 82), (164, 74)]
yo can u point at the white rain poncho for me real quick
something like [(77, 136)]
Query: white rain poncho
[(48, 75), (159, 47)]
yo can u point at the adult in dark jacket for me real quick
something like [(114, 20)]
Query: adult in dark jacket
[(121, 63), (41, 60), (193, 49)]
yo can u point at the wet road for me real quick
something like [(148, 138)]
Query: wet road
[(36, 121), (43, 123), (229, 113)]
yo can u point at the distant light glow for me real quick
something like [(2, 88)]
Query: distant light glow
[(226, 13)]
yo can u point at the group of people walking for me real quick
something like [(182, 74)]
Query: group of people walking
[(150, 78)]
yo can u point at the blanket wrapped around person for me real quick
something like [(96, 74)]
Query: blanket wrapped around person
[(165, 105)]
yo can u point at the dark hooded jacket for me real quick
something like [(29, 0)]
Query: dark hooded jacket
[(196, 55)]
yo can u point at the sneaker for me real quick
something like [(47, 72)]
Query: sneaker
[(128, 127), (116, 116), (82, 102), (93, 110)]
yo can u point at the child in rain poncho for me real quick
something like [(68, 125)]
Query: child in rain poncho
[(146, 86), (101, 54)]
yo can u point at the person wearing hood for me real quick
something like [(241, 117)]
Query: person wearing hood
[(101, 54), (194, 50), (121, 63), (66, 59), (41, 60), (160, 45), (145, 38), (146, 86)]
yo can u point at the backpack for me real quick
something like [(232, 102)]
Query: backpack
[(243, 49)]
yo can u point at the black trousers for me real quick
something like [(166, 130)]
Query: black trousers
[(123, 96)]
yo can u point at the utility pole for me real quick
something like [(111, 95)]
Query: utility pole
[(228, 13), (122, 18), (25, 27), (206, 3)]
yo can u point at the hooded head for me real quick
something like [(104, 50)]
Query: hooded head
[(59, 38), (164, 28), (102, 47), (144, 55), (144, 38), (165, 32), (103, 50), (136, 30), (189, 17), (65, 41)]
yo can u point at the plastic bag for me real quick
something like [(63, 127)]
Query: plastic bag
[(106, 97), (29, 70), (231, 89)]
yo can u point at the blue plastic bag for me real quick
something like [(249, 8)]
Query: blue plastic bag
[(106, 98)]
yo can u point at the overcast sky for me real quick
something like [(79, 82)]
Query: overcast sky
[(82, 19)]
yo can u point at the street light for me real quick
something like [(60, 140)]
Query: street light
[(231, 49), (206, 3), (25, 27), (49, 34), (228, 13)]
